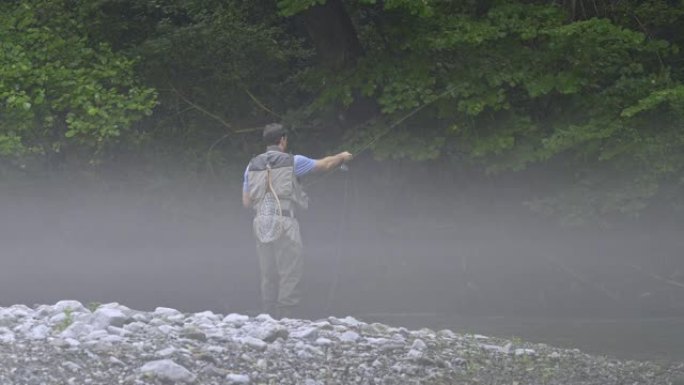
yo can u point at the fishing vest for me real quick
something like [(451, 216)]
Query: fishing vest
[(283, 180)]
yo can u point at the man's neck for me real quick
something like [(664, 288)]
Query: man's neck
[(275, 147)]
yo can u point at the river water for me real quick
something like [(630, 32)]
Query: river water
[(214, 283), (96, 254), (653, 339)]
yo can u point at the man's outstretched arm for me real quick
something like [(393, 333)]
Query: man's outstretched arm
[(333, 161), (245, 199)]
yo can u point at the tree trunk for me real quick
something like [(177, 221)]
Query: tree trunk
[(333, 34)]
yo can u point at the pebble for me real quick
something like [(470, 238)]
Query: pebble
[(167, 370), (211, 349)]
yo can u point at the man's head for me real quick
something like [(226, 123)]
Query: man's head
[(275, 134)]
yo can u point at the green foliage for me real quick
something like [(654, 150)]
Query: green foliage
[(92, 306), (58, 90), (590, 92), (521, 84), (673, 96), (292, 7), (415, 7), (209, 61), (67, 321)]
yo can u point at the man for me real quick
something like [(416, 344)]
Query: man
[(272, 189)]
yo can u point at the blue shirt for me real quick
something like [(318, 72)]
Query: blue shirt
[(302, 166)]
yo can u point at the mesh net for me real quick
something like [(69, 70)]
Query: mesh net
[(267, 224)]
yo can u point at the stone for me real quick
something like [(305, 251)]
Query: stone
[(167, 370), (108, 316), (237, 379)]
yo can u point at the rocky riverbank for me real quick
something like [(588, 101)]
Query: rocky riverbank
[(69, 343)]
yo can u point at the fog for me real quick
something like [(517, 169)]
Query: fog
[(443, 253)]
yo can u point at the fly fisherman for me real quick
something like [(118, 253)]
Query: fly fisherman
[(272, 189)]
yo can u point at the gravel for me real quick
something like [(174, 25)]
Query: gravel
[(68, 343)]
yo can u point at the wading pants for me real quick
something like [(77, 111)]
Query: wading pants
[(281, 271)]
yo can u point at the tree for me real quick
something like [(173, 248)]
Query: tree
[(61, 95), (515, 84)]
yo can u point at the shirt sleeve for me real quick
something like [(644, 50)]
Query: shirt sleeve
[(245, 181), (303, 165)]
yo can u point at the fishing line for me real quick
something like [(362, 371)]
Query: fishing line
[(332, 292), (369, 144), (342, 226)]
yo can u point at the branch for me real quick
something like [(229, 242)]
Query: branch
[(201, 109), (258, 103), (657, 276)]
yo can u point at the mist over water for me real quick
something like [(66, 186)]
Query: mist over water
[(436, 255)]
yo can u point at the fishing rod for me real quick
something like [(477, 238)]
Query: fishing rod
[(401, 120), (344, 167), (344, 220)]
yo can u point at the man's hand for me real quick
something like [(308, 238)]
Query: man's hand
[(333, 161), (346, 156)]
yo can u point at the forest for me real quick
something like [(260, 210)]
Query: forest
[(511, 156), (581, 99)]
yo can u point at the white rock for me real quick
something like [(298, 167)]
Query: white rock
[(6, 336), (349, 336), (166, 312), (113, 339), (71, 366), (72, 342), (206, 315), (25, 327), (76, 330), (97, 334), (264, 318), (322, 341), (494, 348), (349, 321), (321, 325), (216, 333), (167, 370), (117, 331), (308, 333), (19, 311), (446, 333), (176, 319), (396, 337), (415, 354), (525, 352), (378, 341), (6, 318), (254, 343), (39, 332), (555, 355), (235, 319), (135, 327), (70, 305), (158, 321), (215, 349), (141, 317), (166, 352), (115, 305), (57, 318), (268, 332), (237, 379), (167, 329), (108, 316), (418, 344)]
